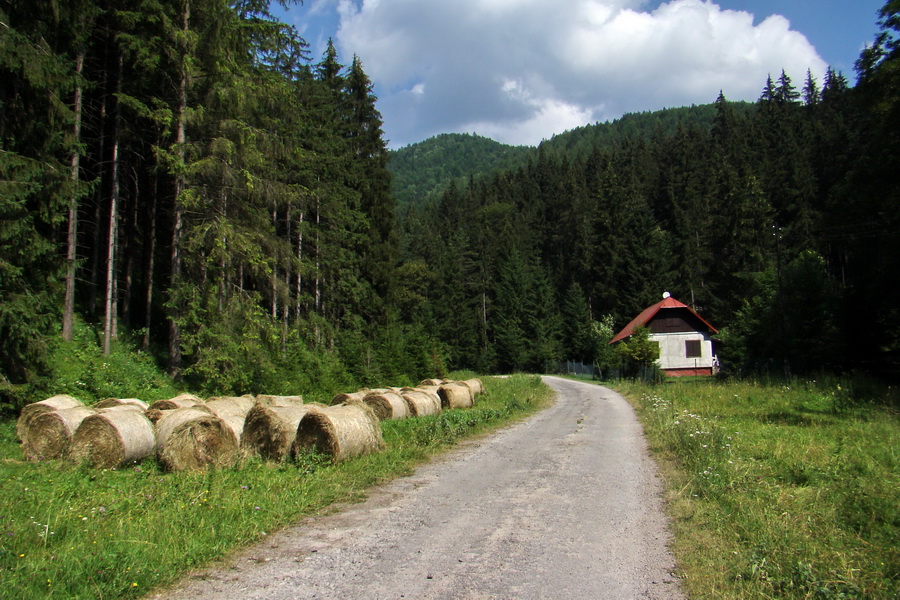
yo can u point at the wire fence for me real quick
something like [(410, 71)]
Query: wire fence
[(579, 369)]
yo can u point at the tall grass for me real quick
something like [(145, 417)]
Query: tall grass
[(779, 490), (72, 532)]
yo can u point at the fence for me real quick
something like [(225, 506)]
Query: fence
[(571, 367)]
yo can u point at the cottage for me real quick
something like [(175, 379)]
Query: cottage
[(685, 345)]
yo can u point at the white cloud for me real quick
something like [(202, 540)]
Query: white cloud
[(522, 70)]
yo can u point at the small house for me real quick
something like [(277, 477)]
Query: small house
[(684, 337)]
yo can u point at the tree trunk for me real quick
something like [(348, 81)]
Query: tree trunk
[(109, 331), (129, 244), (150, 249), (68, 325), (98, 206), (318, 282), (299, 262), (177, 216)]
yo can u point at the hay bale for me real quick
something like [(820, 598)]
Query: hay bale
[(475, 385), (156, 410), (131, 407), (179, 401), (343, 432), (51, 404), (112, 438), (190, 439), (270, 431), (434, 382), (455, 395), (233, 411), (387, 405), (266, 400), (421, 404), (350, 397), (48, 435), (111, 402)]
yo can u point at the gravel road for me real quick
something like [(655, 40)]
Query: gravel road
[(563, 505)]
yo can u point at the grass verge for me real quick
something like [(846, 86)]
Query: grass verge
[(777, 491), (73, 532)]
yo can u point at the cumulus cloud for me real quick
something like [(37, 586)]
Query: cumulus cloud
[(519, 71)]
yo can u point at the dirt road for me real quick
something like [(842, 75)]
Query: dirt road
[(564, 505)]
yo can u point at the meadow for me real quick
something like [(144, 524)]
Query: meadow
[(68, 531), (779, 490)]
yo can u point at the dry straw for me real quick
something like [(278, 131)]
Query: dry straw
[(112, 438), (350, 397), (456, 395), (270, 431), (343, 432), (434, 382), (422, 403), (475, 385), (51, 404), (111, 402), (233, 411), (48, 435), (190, 439), (387, 405), (156, 410), (267, 400), (179, 401)]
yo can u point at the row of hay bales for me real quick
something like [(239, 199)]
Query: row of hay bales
[(187, 433)]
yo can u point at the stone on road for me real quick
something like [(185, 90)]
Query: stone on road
[(563, 505)]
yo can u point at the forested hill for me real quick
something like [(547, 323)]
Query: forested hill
[(422, 169), (777, 221), (426, 168), (581, 141)]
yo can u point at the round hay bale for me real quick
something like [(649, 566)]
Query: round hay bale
[(111, 402), (421, 403), (229, 406), (475, 385), (430, 382), (189, 439), (343, 432), (113, 438), (455, 395), (179, 401), (51, 404), (387, 405), (233, 410), (350, 397), (132, 407), (48, 435), (270, 431), (266, 400)]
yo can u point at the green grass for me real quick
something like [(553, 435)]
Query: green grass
[(779, 491), (71, 532)]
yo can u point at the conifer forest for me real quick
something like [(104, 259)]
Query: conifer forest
[(186, 176)]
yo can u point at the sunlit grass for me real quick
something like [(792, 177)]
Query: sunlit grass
[(73, 532), (778, 491)]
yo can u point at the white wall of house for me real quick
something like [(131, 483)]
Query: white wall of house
[(673, 350)]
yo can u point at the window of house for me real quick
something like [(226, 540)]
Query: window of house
[(692, 348)]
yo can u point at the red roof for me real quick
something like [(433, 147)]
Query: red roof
[(648, 313)]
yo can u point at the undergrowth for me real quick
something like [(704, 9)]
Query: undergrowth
[(72, 532), (779, 490)]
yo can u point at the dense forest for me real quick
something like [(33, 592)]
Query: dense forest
[(777, 220), (182, 175)]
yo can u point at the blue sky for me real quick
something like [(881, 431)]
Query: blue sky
[(520, 71)]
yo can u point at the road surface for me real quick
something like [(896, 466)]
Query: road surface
[(563, 505)]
